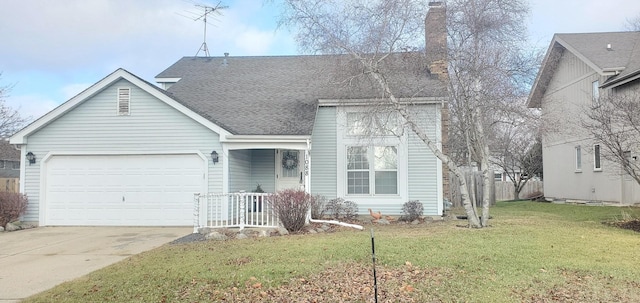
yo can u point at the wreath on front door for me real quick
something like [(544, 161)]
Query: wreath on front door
[(289, 161)]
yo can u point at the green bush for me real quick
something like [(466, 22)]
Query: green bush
[(340, 209), (291, 207), (12, 206), (411, 210)]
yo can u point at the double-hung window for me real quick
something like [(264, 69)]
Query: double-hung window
[(372, 170), (372, 124), (578, 158), (597, 162), (595, 93)]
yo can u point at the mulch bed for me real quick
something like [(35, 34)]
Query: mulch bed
[(628, 224)]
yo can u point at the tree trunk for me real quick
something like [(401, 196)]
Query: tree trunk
[(395, 103)]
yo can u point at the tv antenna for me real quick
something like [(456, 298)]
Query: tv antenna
[(206, 11)]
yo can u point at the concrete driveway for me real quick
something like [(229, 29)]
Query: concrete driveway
[(35, 260)]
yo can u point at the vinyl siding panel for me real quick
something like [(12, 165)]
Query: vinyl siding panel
[(263, 169), (570, 91), (323, 153), (239, 170), (423, 166), (562, 181), (94, 126)]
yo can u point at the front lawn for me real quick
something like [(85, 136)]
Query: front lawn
[(533, 252)]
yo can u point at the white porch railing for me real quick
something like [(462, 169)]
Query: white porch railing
[(233, 210)]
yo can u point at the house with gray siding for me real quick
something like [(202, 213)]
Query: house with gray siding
[(9, 161), (577, 71), (128, 152)]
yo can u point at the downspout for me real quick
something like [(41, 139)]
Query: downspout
[(307, 188)]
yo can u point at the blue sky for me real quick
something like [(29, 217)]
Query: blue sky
[(52, 50)]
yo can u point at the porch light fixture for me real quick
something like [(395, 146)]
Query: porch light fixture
[(31, 157), (214, 157)]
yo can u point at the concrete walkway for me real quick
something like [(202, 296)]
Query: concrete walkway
[(34, 260)]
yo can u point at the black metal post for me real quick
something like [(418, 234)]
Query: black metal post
[(373, 256)]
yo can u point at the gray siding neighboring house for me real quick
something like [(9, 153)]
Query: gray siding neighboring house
[(126, 152), (576, 68), (9, 161)]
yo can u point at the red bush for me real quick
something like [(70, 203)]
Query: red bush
[(291, 206), (12, 206)]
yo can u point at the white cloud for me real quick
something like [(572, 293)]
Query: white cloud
[(31, 106), (254, 42), (578, 16), (71, 90)]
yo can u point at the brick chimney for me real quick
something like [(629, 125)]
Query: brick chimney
[(435, 33)]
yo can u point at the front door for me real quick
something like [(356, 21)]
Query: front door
[(288, 169)]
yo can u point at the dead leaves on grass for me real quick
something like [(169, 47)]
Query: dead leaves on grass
[(338, 283), (580, 287)]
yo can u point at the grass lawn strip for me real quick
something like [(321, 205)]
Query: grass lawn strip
[(533, 252)]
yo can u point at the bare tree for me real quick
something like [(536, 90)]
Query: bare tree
[(373, 32), (518, 153), (615, 124), (633, 24), (10, 119), (490, 72)]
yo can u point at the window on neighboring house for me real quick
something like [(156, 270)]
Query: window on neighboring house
[(382, 176), (16, 165), (124, 101), (2, 164), (578, 158), (595, 93), (597, 165), (497, 176), (365, 123)]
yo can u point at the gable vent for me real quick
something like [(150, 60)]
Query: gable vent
[(124, 99)]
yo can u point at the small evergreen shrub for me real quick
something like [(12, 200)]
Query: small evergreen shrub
[(340, 209), (12, 206), (411, 210), (291, 206)]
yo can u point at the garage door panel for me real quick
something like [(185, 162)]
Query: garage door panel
[(89, 190)]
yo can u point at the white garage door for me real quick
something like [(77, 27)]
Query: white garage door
[(128, 190)]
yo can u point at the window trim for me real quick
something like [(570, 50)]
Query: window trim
[(597, 157)]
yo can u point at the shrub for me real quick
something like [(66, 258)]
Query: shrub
[(12, 206), (340, 209), (291, 207), (318, 204), (411, 210)]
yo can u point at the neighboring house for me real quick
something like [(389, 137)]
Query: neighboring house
[(9, 161), (576, 71), (9, 167), (126, 152)]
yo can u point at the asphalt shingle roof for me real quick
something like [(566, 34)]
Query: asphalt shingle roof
[(624, 52), (278, 95)]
